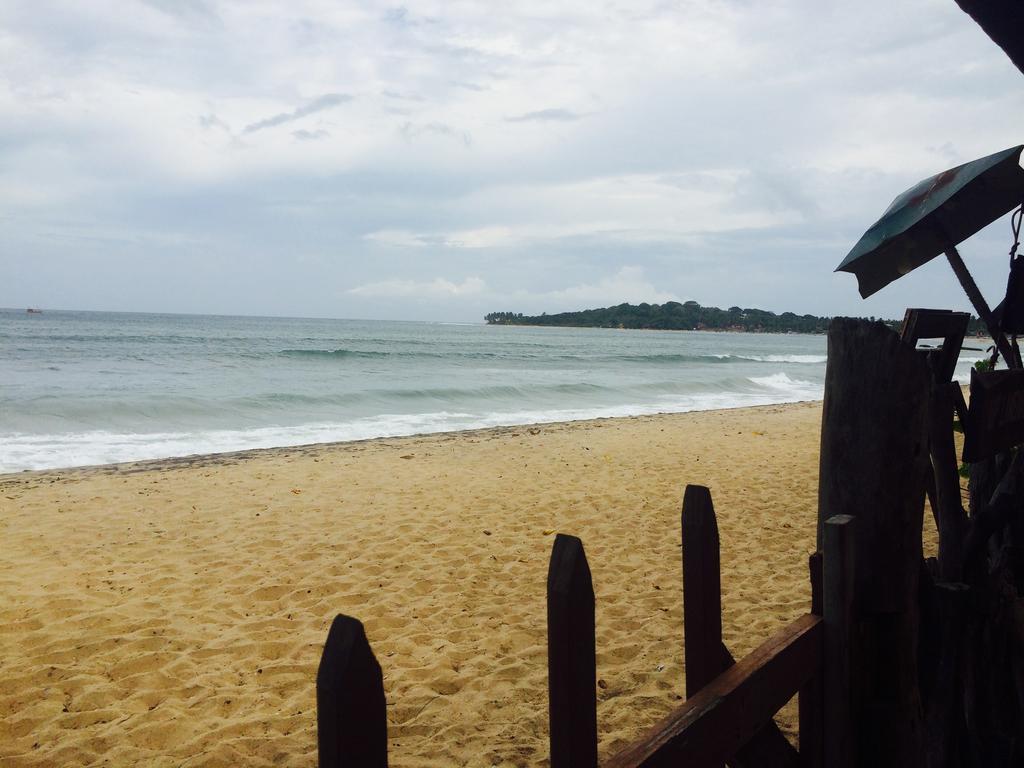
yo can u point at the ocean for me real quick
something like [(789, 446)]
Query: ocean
[(83, 388)]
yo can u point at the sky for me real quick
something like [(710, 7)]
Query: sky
[(440, 160)]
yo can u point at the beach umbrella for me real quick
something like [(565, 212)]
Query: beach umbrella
[(932, 217)]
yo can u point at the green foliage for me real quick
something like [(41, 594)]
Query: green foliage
[(965, 471), (982, 365), (690, 316), (504, 318), (671, 316)]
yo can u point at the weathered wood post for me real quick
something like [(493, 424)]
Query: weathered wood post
[(950, 518), (572, 659), (351, 713), (704, 652), (946, 724), (702, 591), (838, 580), (874, 465), (811, 703)]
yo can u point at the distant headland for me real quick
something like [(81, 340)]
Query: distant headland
[(688, 316)]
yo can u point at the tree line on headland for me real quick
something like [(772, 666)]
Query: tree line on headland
[(688, 316)]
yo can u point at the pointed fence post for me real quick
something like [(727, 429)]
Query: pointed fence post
[(572, 660), (705, 654), (702, 590), (351, 713)]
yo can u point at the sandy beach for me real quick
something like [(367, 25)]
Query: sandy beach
[(173, 613)]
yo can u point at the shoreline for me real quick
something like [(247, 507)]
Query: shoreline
[(671, 330), (198, 460)]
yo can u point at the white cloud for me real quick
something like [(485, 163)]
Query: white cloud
[(629, 284), (628, 208), (482, 237), (429, 289), (398, 238), (528, 148)]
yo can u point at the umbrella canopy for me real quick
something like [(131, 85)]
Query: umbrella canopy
[(934, 215)]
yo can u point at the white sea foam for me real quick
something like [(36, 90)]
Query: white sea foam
[(805, 359), (52, 451), (782, 382), (809, 359), (96, 388)]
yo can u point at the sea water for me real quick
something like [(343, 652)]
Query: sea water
[(82, 388)]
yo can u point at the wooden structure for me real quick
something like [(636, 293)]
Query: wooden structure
[(939, 642), (940, 325), (727, 716), (945, 400), (995, 423), (874, 464), (900, 661)]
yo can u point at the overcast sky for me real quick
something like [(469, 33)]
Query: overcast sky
[(439, 160)]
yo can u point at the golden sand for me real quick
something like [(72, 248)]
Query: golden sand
[(173, 613)]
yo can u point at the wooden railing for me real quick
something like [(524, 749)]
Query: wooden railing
[(727, 717)]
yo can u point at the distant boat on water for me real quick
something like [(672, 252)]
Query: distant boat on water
[(34, 311)]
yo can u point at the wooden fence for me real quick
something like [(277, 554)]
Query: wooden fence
[(727, 716)]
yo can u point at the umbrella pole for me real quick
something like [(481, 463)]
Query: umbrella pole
[(980, 305)]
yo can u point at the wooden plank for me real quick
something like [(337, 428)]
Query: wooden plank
[(712, 726), (351, 712), (943, 324), (838, 607), (572, 661), (966, 280), (920, 323), (811, 702), (768, 748), (996, 415)]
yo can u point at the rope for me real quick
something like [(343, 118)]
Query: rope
[(1015, 222)]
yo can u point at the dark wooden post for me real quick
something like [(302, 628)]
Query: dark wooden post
[(815, 568), (950, 518), (946, 725), (839, 732), (980, 305), (812, 702), (702, 590), (874, 465), (945, 399), (572, 661), (351, 713), (703, 650), (705, 654)]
